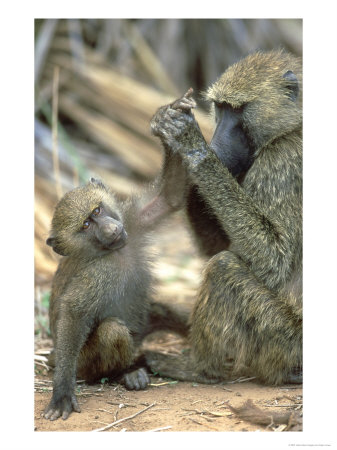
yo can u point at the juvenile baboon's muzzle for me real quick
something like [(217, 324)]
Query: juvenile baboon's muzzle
[(111, 233)]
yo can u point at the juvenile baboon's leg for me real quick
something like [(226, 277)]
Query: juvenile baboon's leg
[(175, 318), (236, 317), (109, 351)]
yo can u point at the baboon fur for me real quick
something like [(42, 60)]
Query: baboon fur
[(101, 304), (248, 315)]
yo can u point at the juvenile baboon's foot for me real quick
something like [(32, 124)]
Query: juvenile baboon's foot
[(178, 367), (136, 380), (61, 407)]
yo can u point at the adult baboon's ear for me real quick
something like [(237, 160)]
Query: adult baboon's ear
[(51, 241), (292, 84)]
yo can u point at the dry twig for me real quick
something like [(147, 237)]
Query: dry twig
[(163, 384), (241, 380), (124, 419), (122, 405), (203, 424), (284, 406), (251, 413)]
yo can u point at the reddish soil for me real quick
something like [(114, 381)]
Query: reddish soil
[(173, 406)]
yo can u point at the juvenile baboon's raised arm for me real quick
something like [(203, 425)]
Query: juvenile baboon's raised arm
[(101, 302)]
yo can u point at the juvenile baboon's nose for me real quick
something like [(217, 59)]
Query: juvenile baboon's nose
[(110, 229)]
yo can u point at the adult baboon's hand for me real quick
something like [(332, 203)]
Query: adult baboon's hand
[(173, 120)]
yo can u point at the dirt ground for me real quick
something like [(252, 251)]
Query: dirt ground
[(167, 405)]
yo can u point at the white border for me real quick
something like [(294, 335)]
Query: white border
[(320, 223)]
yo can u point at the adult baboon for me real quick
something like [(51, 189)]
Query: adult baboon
[(245, 209)]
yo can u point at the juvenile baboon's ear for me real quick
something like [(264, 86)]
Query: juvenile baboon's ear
[(97, 182), (292, 86), (51, 241)]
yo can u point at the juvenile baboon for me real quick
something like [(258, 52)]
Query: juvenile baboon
[(101, 302), (245, 209)]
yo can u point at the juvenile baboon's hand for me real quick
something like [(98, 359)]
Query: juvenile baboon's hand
[(184, 103), (61, 407), (136, 380), (172, 121)]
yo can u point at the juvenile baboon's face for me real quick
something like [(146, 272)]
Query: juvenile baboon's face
[(87, 223), (103, 229)]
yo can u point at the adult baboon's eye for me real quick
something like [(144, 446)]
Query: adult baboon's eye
[(86, 224), (96, 211)]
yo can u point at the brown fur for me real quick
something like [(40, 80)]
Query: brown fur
[(249, 307), (101, 302)]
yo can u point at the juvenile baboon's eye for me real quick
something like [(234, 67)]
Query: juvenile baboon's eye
[(96, 211), (86, 224)]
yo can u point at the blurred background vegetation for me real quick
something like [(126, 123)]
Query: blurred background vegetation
[(97, 84)]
